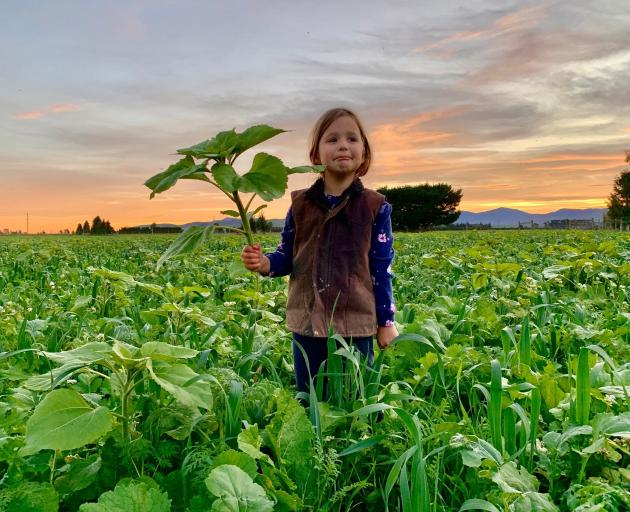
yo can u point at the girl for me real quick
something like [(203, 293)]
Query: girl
[(337, 247)]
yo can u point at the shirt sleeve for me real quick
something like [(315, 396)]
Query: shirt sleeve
[(282, 258), (381, 257)]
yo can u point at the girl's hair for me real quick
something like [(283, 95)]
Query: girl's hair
[(322, 125)]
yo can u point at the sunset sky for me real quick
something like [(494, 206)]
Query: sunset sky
[(520, 104)]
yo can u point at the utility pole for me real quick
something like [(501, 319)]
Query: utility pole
[(27, 223)]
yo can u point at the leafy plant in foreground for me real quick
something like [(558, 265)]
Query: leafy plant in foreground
[(267, 178)]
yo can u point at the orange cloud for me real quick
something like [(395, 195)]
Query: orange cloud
[(28, 115), (577, 157), (64, 107), (626, 129), (58, 108)]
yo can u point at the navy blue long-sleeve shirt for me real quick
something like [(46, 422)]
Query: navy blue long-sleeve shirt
[(380, 259)]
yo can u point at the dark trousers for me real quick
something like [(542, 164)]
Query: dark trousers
[(316, 350)]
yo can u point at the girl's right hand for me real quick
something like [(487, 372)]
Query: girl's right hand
[(255, 260)]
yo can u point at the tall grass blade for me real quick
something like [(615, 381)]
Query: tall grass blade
[(583, 389), (534, 416), (509, 431), (494, 406), (525, 345)]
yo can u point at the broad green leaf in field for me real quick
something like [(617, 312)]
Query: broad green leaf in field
[(187, 242), (267, 177), (130, 497), (511, 479), (231, 213), (477, 504), (550, 390), (253, 136), (128, 355), (290, 435), (54, 378), (78, 474), (225, 176), (235, 458), (174, 377), (220, 146), (249, 441), (81, 303), (476, 451), (161, 351), (29, 497), (236, 491), (92, 352), (65, 421), (608, 424), (534, 502), (124, 280), (479, 280), (184, 168), (554, 271)]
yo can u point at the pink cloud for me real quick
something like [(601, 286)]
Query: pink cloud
[(22, 116), (64, 107), (58, 108)]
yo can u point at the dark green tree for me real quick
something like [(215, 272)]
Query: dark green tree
[(260, 224), (422, 207), (86, 228), (79, 230), (619, 199), (97, 226)]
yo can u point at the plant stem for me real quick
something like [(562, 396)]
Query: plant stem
[(243, 213)]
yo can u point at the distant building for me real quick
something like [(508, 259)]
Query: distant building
[(571, 224)]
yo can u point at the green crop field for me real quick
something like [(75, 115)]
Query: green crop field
[(124, 388)]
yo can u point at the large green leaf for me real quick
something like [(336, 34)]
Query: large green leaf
[(225, 176), (184, 168), (477, 504), (267, 177), (290, 436), (79, 475), (255, 135), (187, 242), (53, 378), (249, 441), (65, 421), (130, 497), (513, 480), (158, 350), (89, 353), (238, 459), (236, 491), (173, 377), (29, 497), (221, 146)]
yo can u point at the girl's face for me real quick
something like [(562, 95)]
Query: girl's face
[(341, 146)]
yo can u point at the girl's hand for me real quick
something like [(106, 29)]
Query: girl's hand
[(255, 260), (385, 335)]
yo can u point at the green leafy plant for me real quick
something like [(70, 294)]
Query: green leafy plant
[(267, 179)]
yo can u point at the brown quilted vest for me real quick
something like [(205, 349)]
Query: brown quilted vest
[(331, 262)]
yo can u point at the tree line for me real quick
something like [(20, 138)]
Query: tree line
[(98, 227)]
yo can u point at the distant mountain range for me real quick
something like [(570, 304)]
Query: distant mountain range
[(498, 217), (511, 217)]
